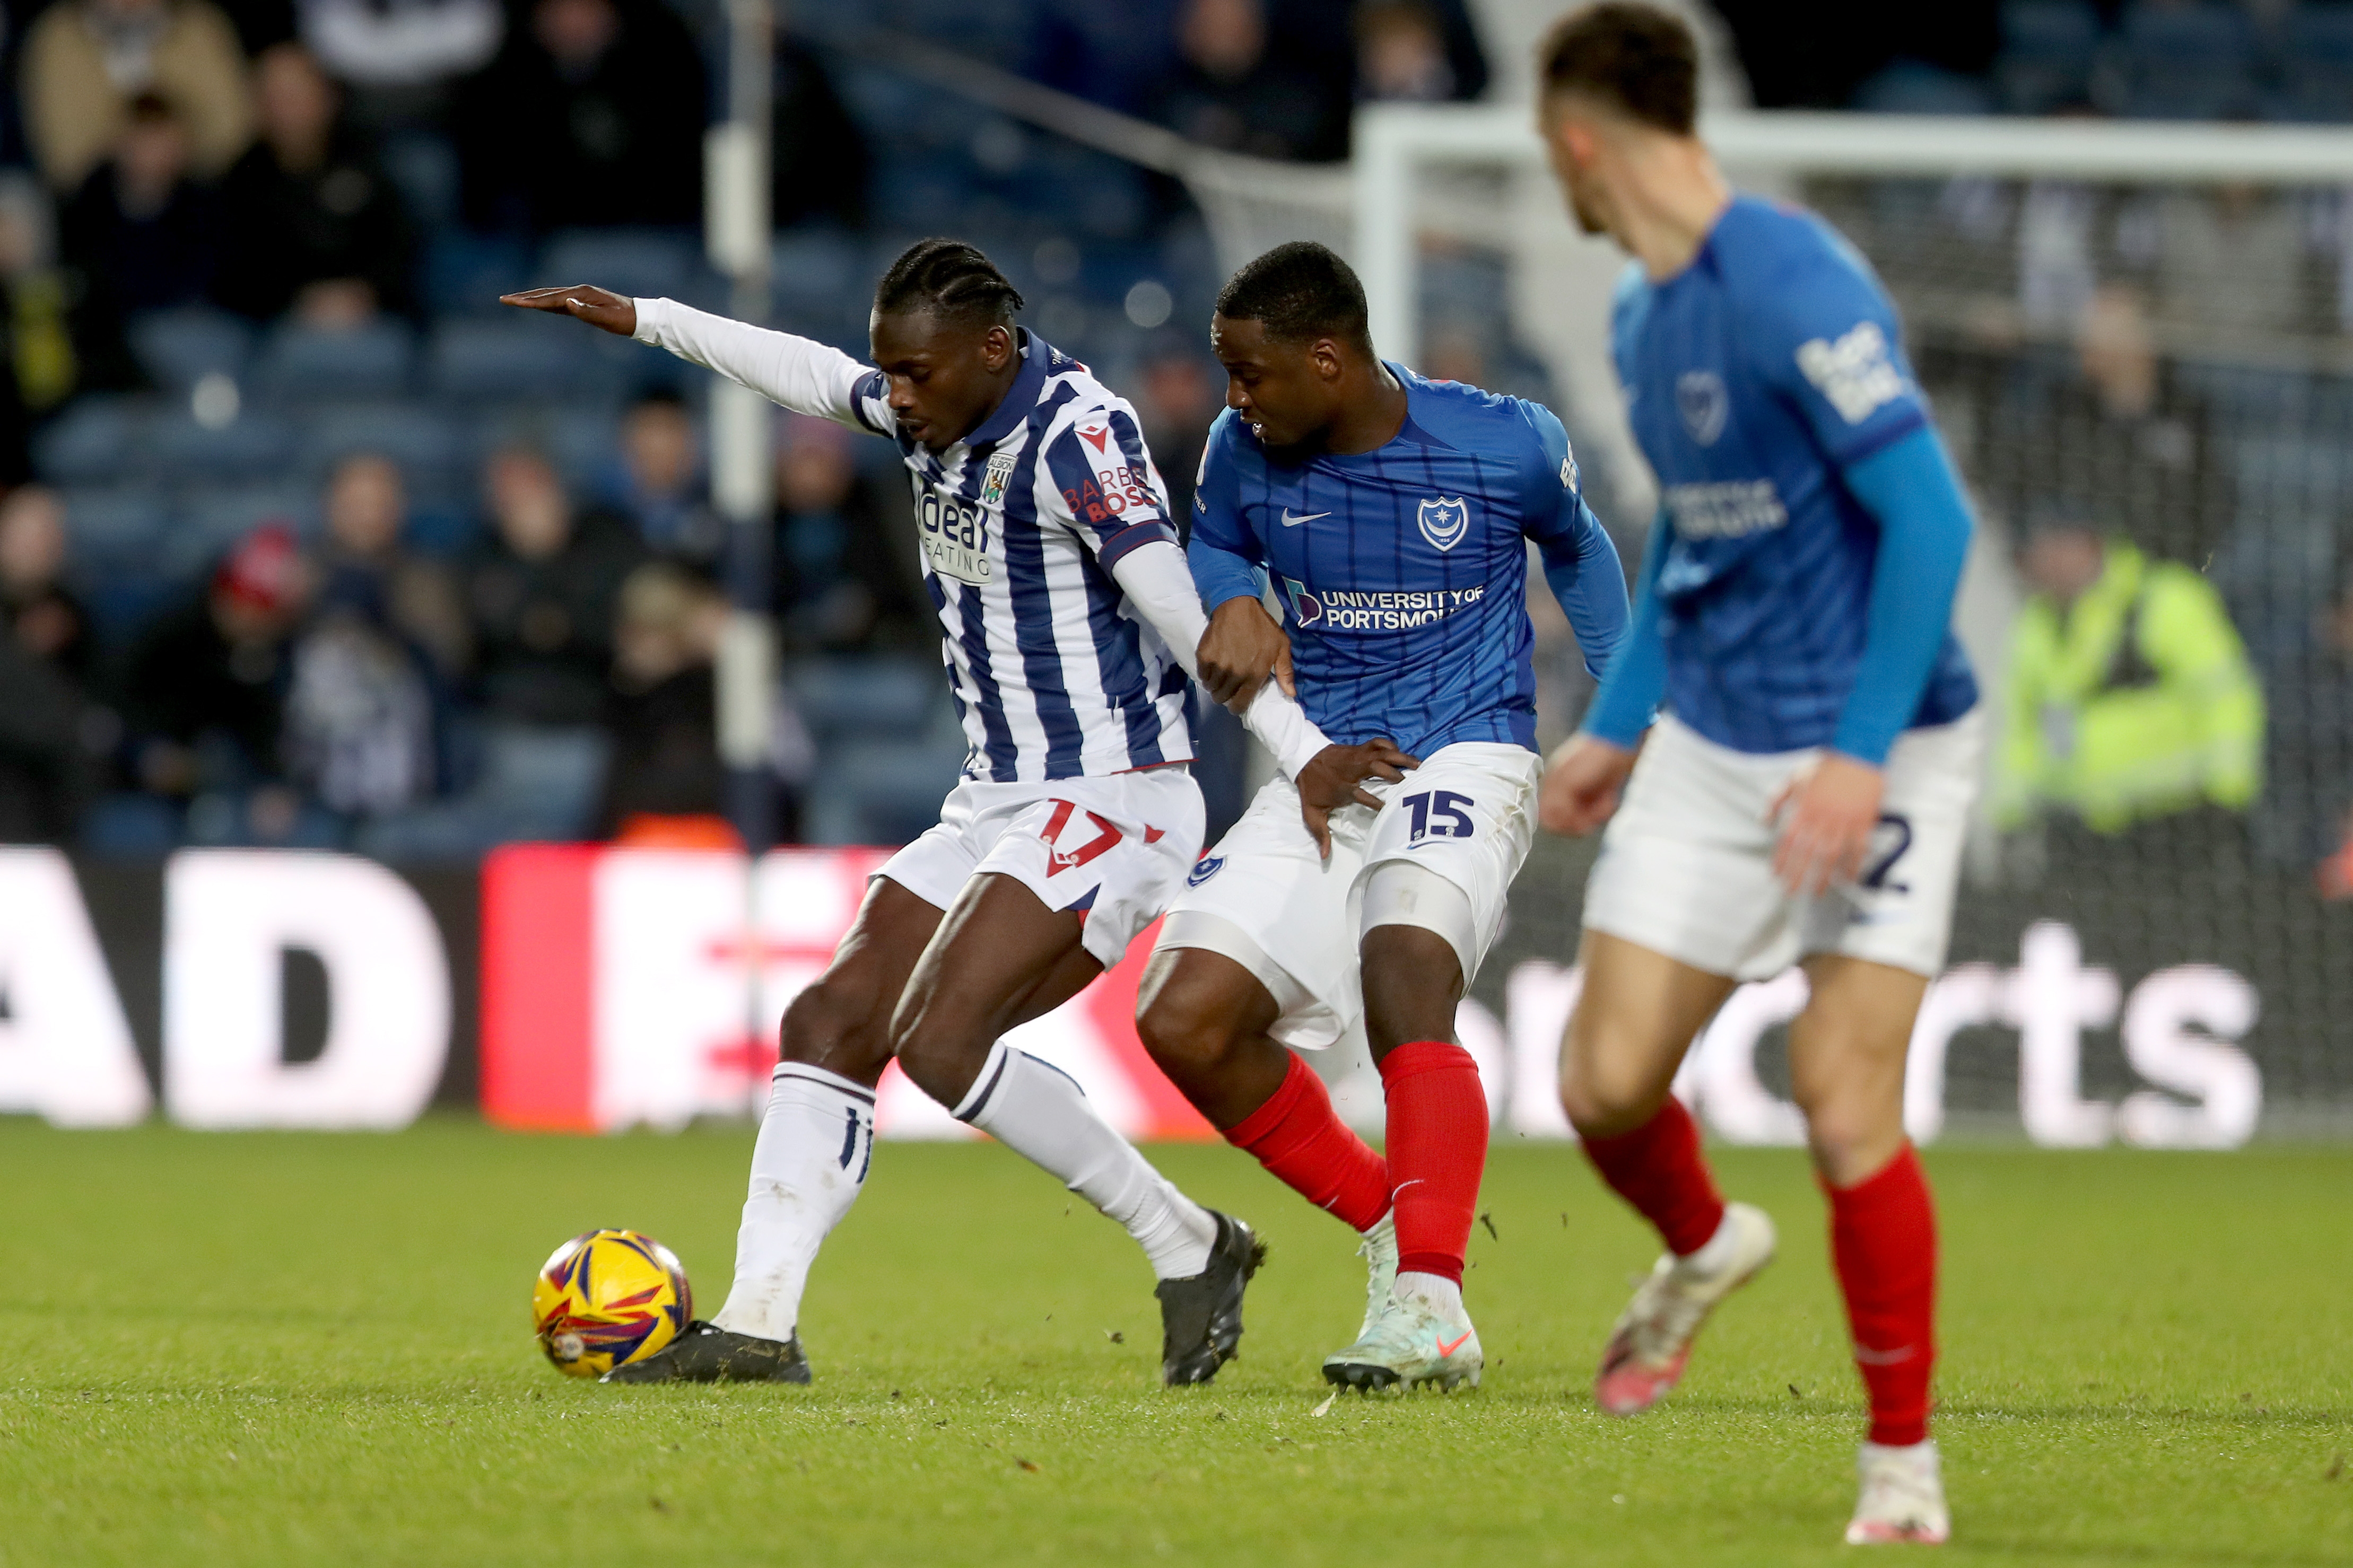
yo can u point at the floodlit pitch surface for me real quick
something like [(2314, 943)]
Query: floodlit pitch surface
[(312, 1349)]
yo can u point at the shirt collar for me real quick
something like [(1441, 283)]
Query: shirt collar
[(1021, 396)]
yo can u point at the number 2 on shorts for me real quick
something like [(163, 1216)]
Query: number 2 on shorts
[(1874, 875)]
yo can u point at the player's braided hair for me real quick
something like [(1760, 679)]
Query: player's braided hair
[(1638, 58), (1299, 293), (951, 280)]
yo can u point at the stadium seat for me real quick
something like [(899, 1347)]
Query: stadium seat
[(517, 356), (2048, 50), (2314, 51), (1915, 87), (431, 450), (113, 527), (642, 263), (2187, 62), (425, 166), (299, 365), (97, 439), (255, 446), (211, 521), (880, 792), (179, 348), (875, 698), (465, 273)]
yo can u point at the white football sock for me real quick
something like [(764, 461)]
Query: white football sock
[(1040, 1112), (810, 1161), (1433, 1293), (1714, 1252)]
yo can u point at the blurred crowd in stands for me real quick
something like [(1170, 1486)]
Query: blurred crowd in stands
[(303, 542)]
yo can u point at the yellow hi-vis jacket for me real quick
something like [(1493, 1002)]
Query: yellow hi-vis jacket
[(2134, 701)]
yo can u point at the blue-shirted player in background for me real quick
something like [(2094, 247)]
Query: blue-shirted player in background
[(1393, 515), (1804, 798)]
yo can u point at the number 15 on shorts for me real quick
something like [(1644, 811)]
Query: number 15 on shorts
[(1439, 814)]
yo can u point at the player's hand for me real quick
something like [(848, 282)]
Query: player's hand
[(1826, 814), (616, 314), (1335, 777), (1243, 646), (1582, 784)]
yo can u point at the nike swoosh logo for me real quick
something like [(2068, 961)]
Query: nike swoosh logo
[(1445, 1349), (1290, 521)]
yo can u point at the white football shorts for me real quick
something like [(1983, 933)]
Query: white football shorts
[(1115, 849), (1263, 897), (1686, 865)]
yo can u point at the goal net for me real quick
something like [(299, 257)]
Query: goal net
[(2138, 340)]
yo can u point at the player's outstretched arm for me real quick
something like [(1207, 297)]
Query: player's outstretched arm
[(616, 314), (805, 376)]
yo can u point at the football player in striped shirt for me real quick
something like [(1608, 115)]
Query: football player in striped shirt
[(1805, 797), (1395, 516), (1070, 621)]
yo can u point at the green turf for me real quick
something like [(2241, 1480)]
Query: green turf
[(314, 1349)]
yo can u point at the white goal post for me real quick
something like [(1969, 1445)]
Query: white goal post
[(1396, 142)]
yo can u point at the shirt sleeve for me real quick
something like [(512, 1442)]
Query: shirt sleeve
[(1580, 563), (1629, 694), (805, 376), (1923, 542), (1825, 337), (1111, 494), (1224, 554)]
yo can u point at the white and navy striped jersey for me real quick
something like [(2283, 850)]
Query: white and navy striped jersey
[(1053, 673)]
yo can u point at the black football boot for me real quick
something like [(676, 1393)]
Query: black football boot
[(1201, 1316), (707, 1354)]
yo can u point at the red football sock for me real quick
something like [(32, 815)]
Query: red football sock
[(1300, 1138), (1438, 1150), (1883, 1242), (1658, 1168)]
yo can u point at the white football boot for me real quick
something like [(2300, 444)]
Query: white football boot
[(1902, 1497), (1405, 1344), (1651, 1341)]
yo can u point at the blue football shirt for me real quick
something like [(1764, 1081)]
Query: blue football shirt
[(1753, 377), (1403, 571)]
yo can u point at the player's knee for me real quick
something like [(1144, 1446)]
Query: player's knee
[(1185, 1036), (839, 1023), (1601, 1102)]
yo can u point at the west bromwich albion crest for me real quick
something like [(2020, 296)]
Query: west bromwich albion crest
[(1445, 519), (993, 482)]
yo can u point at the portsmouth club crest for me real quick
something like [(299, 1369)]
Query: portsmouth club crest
[(1445, 519), (1701, 399)]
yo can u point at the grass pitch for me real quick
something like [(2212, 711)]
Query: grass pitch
[(309, 1349)]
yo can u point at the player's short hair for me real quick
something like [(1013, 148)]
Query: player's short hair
[(1299, 293), (1636, 58), (950, 279)]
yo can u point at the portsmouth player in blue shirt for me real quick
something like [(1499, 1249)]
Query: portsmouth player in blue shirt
[(1803, 799), (1393, 517)]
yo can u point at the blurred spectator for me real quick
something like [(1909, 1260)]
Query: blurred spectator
[(37, 610), (540, 592), (359, 716), (1262, 76), (48, 771), (846, 575), (39, 365), (1402, 56), (820, 160), (403, 53), (141, 234), (365, 568), (656, 479), (314, 225), (663, 717), (261, 24), (86, 60), (1177, 400), (2230, 260), (205, 694), (2129, 697), (592, 114), (2307, 808), (2121, 441)]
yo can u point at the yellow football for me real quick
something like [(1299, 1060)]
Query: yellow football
[(607, 1297)]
